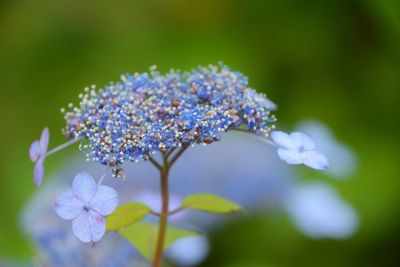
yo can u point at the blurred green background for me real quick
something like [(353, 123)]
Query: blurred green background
[(337, 61)]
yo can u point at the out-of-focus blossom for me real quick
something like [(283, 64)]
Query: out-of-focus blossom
[(319, 211), (260, 183), (37, 153), (87, 204), (342, 161), (189, 251), (299, 148)]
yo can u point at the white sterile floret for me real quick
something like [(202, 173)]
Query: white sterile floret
[(299, 148)]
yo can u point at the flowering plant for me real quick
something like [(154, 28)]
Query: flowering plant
[(156, 118)]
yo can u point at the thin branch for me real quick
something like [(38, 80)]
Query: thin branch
[(175, 211), (103, 176), (267, 141), (177, 155), (165, 160), (170, 151), (155, 163), (61, 147), (155, 213), (262, 139)]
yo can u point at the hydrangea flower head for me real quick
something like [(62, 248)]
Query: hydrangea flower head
[(149, 112), (87, 204), (37, 153), (299, 148)]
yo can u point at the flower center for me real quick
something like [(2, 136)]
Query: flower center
[(86, 208)]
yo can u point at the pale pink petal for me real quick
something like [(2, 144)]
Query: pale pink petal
[(105, 201), (282, 139), (315, 160), (302, 140), (290, 156), (68, 206), (97, 225), (34, 151), (84, 187)]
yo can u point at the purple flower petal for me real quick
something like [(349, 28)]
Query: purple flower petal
[(290, 156), (38, 173), (89, 227), (44, 141), (315, 160), (84, 187), (97, 225), (105, 201), (302, 140), (34, 151), (283, 140), (269, 104), (68, 206), (81, 227)]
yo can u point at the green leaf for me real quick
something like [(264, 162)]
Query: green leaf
[(210, 203), (144, 237), (125, 215)]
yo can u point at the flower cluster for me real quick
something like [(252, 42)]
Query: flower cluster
[(149, 112)]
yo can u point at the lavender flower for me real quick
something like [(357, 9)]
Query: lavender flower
[(342, 161), (87, 204), (299, 148), (189, 251), (149, 112), (37, 153), (318, 211)]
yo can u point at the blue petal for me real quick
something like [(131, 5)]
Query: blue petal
[(189, 251), (84, 187), (38, 173), (89, 227), (318, 211), (44, 141), (302, 140), (283, 140), (34, 151), (315, 160), (81, 227), (269, 104), (68, 206), (105, 201), (97, 226), (290, 156)]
